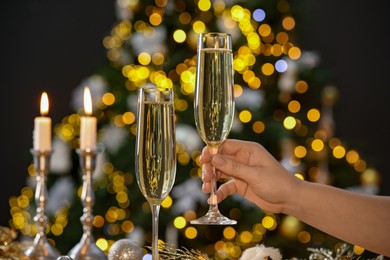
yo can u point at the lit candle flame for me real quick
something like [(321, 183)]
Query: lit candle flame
[(87, 101), (44, 104)]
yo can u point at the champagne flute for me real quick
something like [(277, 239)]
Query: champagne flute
[(155, 150), (214, 105)]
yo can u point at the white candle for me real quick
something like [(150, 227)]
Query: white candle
[(42, 127), (88, 124)]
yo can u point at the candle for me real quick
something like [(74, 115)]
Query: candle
[(88, 124), (42, 127)]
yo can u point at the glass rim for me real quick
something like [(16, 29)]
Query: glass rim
[(215, 40), (154, 88), (215, 34)]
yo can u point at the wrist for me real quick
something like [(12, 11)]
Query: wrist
[(294, 197)]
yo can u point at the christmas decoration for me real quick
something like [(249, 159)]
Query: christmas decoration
[(9, 247), (281, 102), (169, 252), (261, 252), (341, 252), (125, 249)]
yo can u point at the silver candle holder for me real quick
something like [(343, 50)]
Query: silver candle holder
[(41, 248), (86, 249)]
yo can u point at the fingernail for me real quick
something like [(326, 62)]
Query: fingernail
[(218, 160)]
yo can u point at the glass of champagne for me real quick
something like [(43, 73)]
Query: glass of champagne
[(155, 150), (214, 105)]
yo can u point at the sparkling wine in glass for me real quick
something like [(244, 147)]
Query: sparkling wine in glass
[(155, 150), (214, 106)]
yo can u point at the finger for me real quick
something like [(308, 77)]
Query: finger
[(206, 187), (233, 168), (225, 190), (205, 156), (207, 173), (229, 147), (233, 146)]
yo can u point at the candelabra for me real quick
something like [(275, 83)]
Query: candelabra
[(41, 248), (86, 249)]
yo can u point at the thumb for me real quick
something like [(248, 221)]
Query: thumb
[(233, 168)]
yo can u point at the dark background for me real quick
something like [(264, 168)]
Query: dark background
[(52, 46)]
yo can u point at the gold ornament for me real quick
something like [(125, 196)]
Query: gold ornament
[(125, 249), (10, 249)]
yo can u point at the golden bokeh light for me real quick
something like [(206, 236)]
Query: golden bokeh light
[(144, 58), (245, 116), (264, 30), (289, 122), (128, 118), (288, 23), (339, 152), (167, 202), (301, 86), (102, 244), (229, 233), (352, 156), (204, 5), (98, 221), (294, 53), (245, 237), (179, 36), (294, 106), (179, 222), (317, 145), (300, 151), (267, 69), (304, 237), (258, 127), (268, 222), (199, 27), (108, 99), (185, 18), (191, 233), (155, 19), (158, 58), (313, 115), (127, 226)]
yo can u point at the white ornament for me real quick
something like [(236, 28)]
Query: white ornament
[(113, 138), (253, 99), (150, 41), (61, 159), (60, 194), (187, 195), (261, 252), (188, 136)]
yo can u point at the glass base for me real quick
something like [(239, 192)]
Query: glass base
[(213, 217), (42, 251)]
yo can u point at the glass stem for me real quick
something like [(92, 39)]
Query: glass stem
[(155, 214), (213, 195)]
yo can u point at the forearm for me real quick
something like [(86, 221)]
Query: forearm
[(355, 218)]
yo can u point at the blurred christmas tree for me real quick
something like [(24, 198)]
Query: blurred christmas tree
[(281, 102)]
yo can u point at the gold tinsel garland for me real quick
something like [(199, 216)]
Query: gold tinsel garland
[(9, 248)]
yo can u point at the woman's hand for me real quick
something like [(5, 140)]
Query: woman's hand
[(253, 172)]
